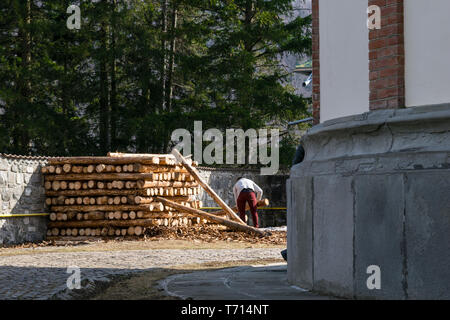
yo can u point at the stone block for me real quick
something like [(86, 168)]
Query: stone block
[(11, 178), (427, 235), (6, 195), (300, 232), (333, 235), (19, 178), (379, 234), (3, 178), (4, 166)]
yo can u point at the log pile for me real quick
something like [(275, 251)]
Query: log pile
[(117, 195)]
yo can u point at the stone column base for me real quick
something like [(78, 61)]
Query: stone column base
[(373, 190)]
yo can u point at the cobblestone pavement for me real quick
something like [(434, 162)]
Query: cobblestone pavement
[(44, 276)]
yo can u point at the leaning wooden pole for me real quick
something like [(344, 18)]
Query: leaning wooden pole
[(261, 203), (211, 217), (206, 187)]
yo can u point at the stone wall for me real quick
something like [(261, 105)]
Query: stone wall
[(21, 192), (373, 191)]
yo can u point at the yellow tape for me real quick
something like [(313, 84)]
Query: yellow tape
[(261, 208), (24, 215)]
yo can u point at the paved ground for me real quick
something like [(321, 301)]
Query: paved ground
[(44, 275), (241, 283)]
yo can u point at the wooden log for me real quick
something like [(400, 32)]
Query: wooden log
[(130, 231), (106, 160), (94, 215), (101, 192), (130, 184), (132, 215), (69, 216), (156, 206), (51, 169), (102, 176), (116, 200), (101, 200), (102, 223), (117, 215), (87, 208), (47, 185), (52, 216), (58, 170), (100, 168), (140, 200), (77, 169), (160, 215), (56, 185), (261, 203), (138, 230), (67, 167), (210, 217), (206, 187)]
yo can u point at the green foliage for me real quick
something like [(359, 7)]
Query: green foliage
[(137, 70)]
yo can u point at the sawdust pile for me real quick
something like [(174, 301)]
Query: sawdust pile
[(205, 233), (212, 234)]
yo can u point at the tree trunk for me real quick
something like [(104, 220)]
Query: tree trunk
[(104, 99), (114, 107)]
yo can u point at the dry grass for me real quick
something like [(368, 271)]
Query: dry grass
[(132, 245)]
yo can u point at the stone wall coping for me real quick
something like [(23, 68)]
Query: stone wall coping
[(380, 117)]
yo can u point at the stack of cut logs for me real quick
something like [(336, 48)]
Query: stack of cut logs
[(116, 195)]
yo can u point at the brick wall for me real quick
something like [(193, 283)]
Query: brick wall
[(387, 57)]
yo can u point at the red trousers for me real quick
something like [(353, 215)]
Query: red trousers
[(249, 197)]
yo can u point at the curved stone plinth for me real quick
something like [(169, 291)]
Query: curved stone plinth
[(373, 189)]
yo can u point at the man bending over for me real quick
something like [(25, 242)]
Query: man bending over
[(246, 191)]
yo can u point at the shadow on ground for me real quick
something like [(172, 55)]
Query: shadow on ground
[(197, 282)]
